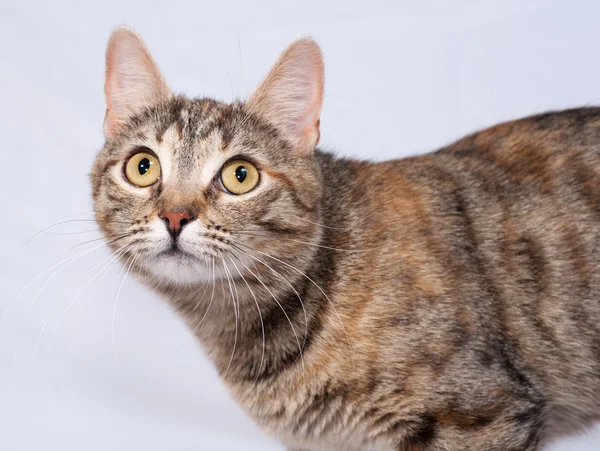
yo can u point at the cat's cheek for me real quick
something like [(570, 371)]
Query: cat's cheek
[(157, 233)]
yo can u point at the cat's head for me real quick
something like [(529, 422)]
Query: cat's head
[(187, 190)]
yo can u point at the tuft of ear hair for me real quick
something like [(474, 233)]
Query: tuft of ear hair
[(291, 96), (133, 80)]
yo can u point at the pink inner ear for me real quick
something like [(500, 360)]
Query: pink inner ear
[(133, 80), (291, 95)]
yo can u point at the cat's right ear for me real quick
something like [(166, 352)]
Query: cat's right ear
[(132, 81)]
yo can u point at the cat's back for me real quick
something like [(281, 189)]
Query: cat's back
[(483, 260), (546, 152), (534, 169)]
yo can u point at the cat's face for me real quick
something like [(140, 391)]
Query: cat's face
[(191, 190)]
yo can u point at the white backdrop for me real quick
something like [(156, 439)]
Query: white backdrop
[(403, 77)]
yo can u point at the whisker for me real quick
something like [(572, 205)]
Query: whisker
[(235, 312), (202, 298), (237, 37), (120, 237), (281, 277), (64, 233), (75, 297), (231, 84), (77, 257), (322, 225), (280, 306), (251, 233), (318, 287), (262, 326), (114, 312), (28, 284), (64, 222), (197, 302), (106, 269), (254, 108), (211, 297), (206, 285)]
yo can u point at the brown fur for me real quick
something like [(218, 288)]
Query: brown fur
[(442, 302)]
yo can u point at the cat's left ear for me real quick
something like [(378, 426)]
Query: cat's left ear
[(132, 81), (291, 96)]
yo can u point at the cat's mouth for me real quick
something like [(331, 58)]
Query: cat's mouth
[(176, 252), (180, 266)]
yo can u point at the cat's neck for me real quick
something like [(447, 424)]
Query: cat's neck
[(256, 326)]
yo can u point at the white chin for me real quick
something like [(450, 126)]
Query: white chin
[(181, 269)]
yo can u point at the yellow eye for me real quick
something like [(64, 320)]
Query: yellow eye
[(239, 177), (143, 169)]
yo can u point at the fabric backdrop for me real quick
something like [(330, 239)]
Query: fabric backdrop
[(81, 370)]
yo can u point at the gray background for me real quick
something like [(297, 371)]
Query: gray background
[(402, 78)]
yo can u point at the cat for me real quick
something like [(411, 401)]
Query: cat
[(448, 301)]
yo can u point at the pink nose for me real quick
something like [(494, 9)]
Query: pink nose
[(175, 220)]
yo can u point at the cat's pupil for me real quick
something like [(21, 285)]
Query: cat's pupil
[(241, 173), (143, 166)]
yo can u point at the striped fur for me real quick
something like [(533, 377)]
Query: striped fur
[(443, 302)]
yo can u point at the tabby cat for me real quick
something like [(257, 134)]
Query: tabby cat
[(449, 301)]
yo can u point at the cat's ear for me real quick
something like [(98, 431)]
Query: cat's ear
[(291, 96), (132, 81)]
